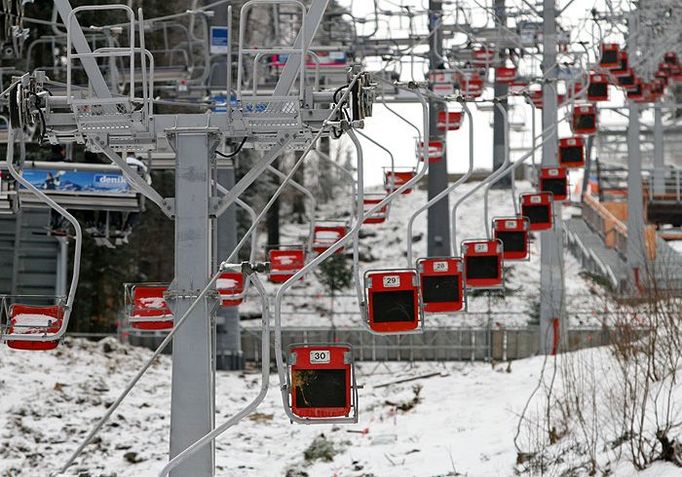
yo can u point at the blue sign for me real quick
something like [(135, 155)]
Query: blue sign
[(77, 181), (220, 103), (218, 40)]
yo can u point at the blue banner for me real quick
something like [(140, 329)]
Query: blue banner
[(77, 181)]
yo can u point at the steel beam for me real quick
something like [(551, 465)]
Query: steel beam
[(552, 316), (438, 216)]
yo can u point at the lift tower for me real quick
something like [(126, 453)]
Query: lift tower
[(438, 229)]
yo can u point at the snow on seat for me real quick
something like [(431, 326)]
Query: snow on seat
[(285, 262), (435, 150), (448, 121), (394, 179), (149, 308), (230, 288), (327, 235), (379, 216), (33, 320), (321, 381)]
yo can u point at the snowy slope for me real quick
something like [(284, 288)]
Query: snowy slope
[(464, 424), (307, 303)]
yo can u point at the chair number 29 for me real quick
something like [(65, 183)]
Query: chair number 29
[(391, 281)]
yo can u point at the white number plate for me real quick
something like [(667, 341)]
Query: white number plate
[(440, 266), (481, 247), (536, 199), (320, 357), (510, 224), (391, 281)]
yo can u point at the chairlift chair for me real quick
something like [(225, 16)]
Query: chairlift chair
[(442, 284), (471, 84), (572, 152), (230, 288), (537, 206), (483, 57), (584, 119), (483, 263), (554, 180), (598, 88), (442, 82), (326, 235), (513, 233), (518, 86), (395, 178), (505, 74), (381, 215), (609, 55), (147, 307), (448, 121), (321, 382), (671, 58), (436, 149), (285, 261), (626, 80), (636, 93), (393, 301), (623, 67), (33, 320)]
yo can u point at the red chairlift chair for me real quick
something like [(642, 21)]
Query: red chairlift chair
[(537, 207), (442, 82), (149, 310), (609, 55), (321, 381), (381, 215), (452, 120), (554, 180), (230, 288), (626, 80), (505, 74), (572, 152), (584, 119), (396, 178), (670, 58), (435, 151), (513, 233), (442, 284), (483, 263), (636, 92), (393, 301), (33, 320), (326, 235), (483, 57), (598, 88), (471, 85), (285, 261)]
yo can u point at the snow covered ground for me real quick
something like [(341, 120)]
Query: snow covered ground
[(384, 246), (463, 424)]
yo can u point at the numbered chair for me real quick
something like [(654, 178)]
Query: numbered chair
[(483, 57), (513, 233), (609, 55), (554, 180), (435, 151), (572, 152), (285, 262), (381, 215), (326, 235), (483, 263), (33, 320), (230, 288), (584, 119), (626, 80), (442, 284), (538, 208), (393, 302), (636, 92), (671, 58), (394, 178), (321, 382), (448, 121), (147, 307), (598, 88)]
